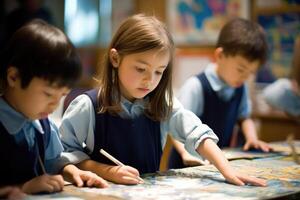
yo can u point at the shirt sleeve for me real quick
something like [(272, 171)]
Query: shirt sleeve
[(53, 160), (186, 127), (280, 95), (244, 109), (191, 96), (77, 129)]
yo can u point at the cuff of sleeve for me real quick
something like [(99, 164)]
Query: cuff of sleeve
[(75, 157), (55, 166), (194, 140)]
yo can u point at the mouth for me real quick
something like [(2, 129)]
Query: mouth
[(144, 89), (44, 114)]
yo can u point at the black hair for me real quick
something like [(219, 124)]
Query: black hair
[(41, 50), (245, 38)]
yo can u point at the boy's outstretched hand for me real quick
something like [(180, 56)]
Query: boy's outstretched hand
[(80, 177), (257, 144)]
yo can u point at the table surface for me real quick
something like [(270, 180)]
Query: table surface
[(279, 169)]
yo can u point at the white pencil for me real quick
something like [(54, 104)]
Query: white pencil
[(117, 162)]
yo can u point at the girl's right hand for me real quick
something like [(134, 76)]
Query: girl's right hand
[(126, 175), (44, 183)]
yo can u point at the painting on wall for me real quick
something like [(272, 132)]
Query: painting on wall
[(282, 30), (198, 22)]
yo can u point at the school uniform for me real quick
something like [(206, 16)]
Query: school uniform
[(280, 95), (217, 104), (22, 142), (130, 136)]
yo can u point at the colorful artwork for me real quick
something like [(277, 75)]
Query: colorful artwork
[(199, 21), (281, 30), (234, 154), (203, 182)]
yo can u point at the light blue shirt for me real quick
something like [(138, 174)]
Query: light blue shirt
[(78, 123), (192, 95), (280, 95), (21, 128)]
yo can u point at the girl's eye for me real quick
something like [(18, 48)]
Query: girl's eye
[(159, 73), (140, 69), (240, 70)]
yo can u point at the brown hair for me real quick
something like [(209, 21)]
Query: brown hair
[(245, 38), (137, 34), (295, 73)]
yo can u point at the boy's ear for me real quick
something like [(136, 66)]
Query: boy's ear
[(12, 76), (219, 53), (114, 57)]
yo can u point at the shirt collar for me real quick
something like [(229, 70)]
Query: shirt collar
[(216, 83), (131, 109), (14, 121)]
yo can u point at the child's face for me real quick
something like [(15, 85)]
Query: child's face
[(37, 100), (140, 73), (235, 70)]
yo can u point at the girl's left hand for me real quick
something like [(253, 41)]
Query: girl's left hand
[(189, 160), (257, 144), (242, 179), (80, 177)]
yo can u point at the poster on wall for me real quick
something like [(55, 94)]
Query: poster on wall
[(198, 22)]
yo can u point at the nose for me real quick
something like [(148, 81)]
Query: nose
[(54, 102), (149, 78)]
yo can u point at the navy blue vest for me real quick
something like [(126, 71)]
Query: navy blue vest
[(135, 142), (218, 114), (20, 164)]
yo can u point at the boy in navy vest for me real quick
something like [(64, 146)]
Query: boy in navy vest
[(219, 95), (38, 67)]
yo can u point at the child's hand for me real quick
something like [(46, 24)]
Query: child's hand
[(9, 192), (126, 175), (242, 179), (189, 160), (257, 144), (79, 177), (44, 183)]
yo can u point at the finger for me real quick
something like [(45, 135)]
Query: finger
[(101, 183), (265, 148), (78, 180), (130, 180), (90, 182), (4, 191), (246, 146), (16, 194), (132, 170), (47, 187), (55, 185), (235, 180), (253, 181), (59, 179)]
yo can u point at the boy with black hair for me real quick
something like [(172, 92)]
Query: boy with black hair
[(38, 67), (219, 95)]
